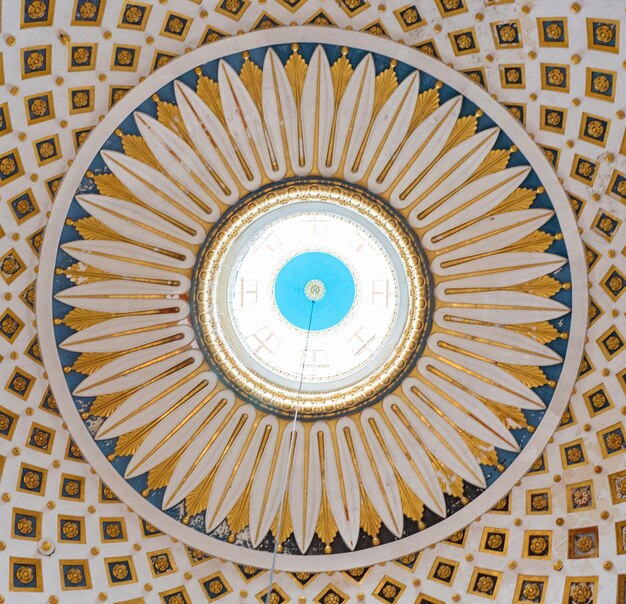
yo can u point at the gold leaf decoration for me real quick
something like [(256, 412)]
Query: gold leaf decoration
[(530, 375), (81, 318), (426, 104), (520, 199), (111, 185), (197, 500), (238, 517), (464, 128), (544, 286), (169, 115), (91, 228), (412, 506), (535, 242), (128, 443), (542, 332), (137, 148), (386, 82), (209, 91), (496, 161), (252, 78), (340, 72), (370, 520), (161, 474), (326, 527), (296, 68), (104, 404), (89, 362)]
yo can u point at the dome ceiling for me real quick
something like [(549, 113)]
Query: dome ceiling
[(470, 360)]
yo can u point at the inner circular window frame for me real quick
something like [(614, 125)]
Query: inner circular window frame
[(365, 387)]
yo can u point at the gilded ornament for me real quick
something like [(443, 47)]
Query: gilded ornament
[(554, 31), (331, 598), (495, 541), (616, 283), (39, 107), (501, 504), (81, 56), (580, 593), (113, 530), (585, 168), (539, 502), (47, 150), (485, 584), (72, 487), (37, 9), (574, 455), (595, 128), (7, 166), (464, 41), (389, 591), (507, 33), (613, 343), (538, 545), (216, 586), (176, 599), (32, 480), (124, 57), (70, 529), (162, 60), (233, 6), (604, 33), (606, 225), (444, 571), (41, 438), (4, 423), (556, 77), (614, 441), (24, 525), (35, 61), (80, 99), (87, 10), (531, 591), (119, 94), (512, 76), (133, 14), (601, 83), (584, 544), (410, 16), (175, 25), (9, 325), (24, 574), (74, 575), (120, 571), (451, 4), (162, 563), (581, 497)]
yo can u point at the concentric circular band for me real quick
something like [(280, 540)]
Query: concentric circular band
[(267, 394)]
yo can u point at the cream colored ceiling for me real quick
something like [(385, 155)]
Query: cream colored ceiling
[(62, 68)]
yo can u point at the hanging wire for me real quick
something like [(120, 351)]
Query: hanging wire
[(288, 469)]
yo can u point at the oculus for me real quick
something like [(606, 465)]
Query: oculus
[(177, 201)]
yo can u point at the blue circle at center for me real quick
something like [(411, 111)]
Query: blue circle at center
[(293, 302)]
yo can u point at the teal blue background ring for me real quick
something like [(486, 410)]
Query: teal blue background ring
[(292, 301)]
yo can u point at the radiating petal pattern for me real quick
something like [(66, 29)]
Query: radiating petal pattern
[(495, 288)]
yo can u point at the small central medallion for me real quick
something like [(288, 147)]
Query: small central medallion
[(314, 290)]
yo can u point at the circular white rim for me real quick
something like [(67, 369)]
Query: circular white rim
[(412, 57), (227, 322)]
